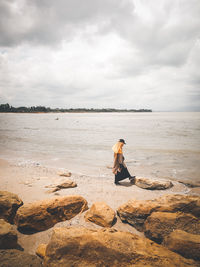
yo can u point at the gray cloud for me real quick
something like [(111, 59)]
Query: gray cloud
[(48, 21), (86, 53)]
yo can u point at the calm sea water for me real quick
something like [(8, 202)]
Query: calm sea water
[(161, 144)]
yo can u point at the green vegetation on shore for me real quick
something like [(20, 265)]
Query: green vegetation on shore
[(36, 109)]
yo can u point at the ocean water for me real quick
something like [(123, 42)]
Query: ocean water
[(159, 144)]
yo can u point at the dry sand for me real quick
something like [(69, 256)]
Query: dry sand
[(30, 183)]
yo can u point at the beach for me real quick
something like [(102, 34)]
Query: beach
[(36, 148), (31, 183)]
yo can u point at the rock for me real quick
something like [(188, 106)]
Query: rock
[(8, 235), (65, 174), (66, 184), (101, 214), (41, 250), (135, 212), (153, 184), (160, 224), (9, 203), (190, 184), (187, 245), (82, 247), (41, 215), (16, 258), (182, 203)]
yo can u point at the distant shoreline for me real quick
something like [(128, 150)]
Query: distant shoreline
[(6, 108)]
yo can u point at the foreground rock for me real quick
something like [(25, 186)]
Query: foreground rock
[(16, 258), (153, 183), (41, 250), (161, 224), (135, 212), (66, 184), (107, 247), (41, 215), (8, 235), (101, 214), (187, 245), (9, 203)]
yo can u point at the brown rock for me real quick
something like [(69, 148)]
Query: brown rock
[(153, 183), (82, 247), (65, 174), (182, 203), (135, 212), (8, 235), (160, 224), (41, 215), (188, 245), (66, 184), (16, 258), (9, 203), (101, 214), (41, 250)]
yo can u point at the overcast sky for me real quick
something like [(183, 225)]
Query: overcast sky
[(101, 53)]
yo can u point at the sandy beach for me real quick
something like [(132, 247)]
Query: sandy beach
[(31, 183)]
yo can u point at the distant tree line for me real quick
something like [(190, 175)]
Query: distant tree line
[(36, 109)]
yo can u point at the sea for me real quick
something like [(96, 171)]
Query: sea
[(158, 144)]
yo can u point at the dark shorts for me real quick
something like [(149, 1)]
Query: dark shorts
[(122, 175)]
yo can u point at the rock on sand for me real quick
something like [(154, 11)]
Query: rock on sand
[(41, 215)]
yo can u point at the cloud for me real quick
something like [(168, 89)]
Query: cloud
[(109, 53), (49, 22)]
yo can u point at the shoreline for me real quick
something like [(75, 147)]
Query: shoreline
[(31, 183)]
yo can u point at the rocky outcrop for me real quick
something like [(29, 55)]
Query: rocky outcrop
[(41, 250), (161, 224), (83, 247), (16, 258), (101, 214), (64, 185), (9, 203), (8, 235), (41, 215), (153, 183), (135, 212), (187, 245)]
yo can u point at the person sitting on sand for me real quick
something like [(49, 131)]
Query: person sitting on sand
[(119, 168)]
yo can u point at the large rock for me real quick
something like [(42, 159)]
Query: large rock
[(160, 224), (153, 183), (41, 215), (9, 203), (16, 258), (101, 214), (82, 247), (135, 212), (41, 250), (188, 245), (8, 235)]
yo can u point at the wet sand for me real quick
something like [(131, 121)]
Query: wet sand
[(30, 183)]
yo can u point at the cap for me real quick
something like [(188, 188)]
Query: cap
[(122, 141)]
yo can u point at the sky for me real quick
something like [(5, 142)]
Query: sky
[(128, 54)]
